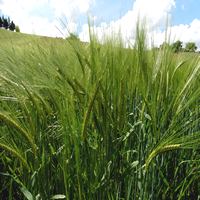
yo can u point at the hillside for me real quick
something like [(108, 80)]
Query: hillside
[(8, 38), (17, 35)]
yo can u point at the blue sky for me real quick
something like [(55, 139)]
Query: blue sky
[(111, 9), (183, 12), (186, 11), (42, 17)]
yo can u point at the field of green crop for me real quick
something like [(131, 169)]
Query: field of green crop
[(90, 121)]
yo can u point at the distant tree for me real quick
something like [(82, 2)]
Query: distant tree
[(1, 22), (12, 26), (164, 45), (17, 29), (190, 47), (5, 23), (177, 46), (2, 18), (8, 24)]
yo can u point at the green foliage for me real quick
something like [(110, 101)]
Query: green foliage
[(177, 46), (17, 29), (165, 45), (7, 24), (190, 47), (91, 121), (1, 22), (12, 26)]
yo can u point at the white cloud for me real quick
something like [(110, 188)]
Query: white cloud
[(19, 11), (154, 12), (187, 33), (40, 26), (183, 32), (16, 8), (24, 13), (70, 8), (84, 34)]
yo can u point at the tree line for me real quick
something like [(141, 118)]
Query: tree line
[(7, 24), (178, 46)]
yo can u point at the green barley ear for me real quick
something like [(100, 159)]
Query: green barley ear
[(88, 111), (16, 154), (14, 124), (158, 151)]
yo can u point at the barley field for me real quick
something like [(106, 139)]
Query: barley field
[(93, 121)]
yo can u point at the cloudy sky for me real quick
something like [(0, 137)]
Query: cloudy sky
[(55, 17)]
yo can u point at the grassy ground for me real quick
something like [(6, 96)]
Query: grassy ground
[(97, 121)]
